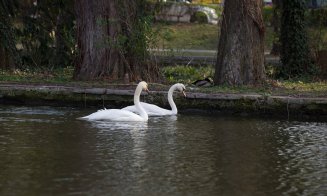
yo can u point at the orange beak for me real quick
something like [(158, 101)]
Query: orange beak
[(184, 93), (147, 90)]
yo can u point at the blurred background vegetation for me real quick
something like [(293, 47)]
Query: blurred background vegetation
[(38, 38)]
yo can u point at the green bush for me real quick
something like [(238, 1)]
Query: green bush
[(267, 15), (199, 17), (317, 17), (186, 74)]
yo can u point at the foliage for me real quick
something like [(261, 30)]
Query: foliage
[(295, 51), (317, 17), (207, 1), (136, 19), (41, 27), (41, 30), (44, 75), (267, 15), (7, 39), (137, 31), (186, 74), (199, 17)]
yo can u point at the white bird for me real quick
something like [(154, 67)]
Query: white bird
[(123, 115), (153, 110)]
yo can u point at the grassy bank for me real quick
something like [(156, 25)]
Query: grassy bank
[(187, 36), (194, 36), (183, 74), (191, 36)]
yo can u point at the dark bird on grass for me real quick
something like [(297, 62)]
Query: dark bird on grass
[(205, 82)]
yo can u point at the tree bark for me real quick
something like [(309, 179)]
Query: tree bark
[(106, 46), (295, 52), (240, 58), (275, 50)]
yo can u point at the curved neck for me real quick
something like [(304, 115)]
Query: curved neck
[(170, 99), (137, 104)]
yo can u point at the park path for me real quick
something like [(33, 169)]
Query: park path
[(196, 57)]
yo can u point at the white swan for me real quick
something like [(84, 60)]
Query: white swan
[(123, 115), (154, 110)]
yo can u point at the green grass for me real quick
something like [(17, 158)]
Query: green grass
[(205, 36), (183, 74), (186, 74), (60, 75), (194, 36), (275, 88), (187, 36), (300, 87)]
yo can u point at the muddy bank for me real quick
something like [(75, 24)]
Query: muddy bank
[(116, 97)]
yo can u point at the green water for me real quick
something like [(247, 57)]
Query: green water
[(47, 151)]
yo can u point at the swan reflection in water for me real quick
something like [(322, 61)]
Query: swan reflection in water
[(104, 125), (135, 138), (154, 123)]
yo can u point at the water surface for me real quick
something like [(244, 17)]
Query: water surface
[(47, 151)]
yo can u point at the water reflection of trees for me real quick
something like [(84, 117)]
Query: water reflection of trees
[(179, 154), (240, 156)]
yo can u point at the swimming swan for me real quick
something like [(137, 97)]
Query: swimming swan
[(154, 110), (123, 115)]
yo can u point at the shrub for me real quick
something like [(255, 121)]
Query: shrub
[(199, 17), (186, 74)]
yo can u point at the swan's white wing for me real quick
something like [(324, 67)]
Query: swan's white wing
[(155, 110), (114, 115), (151, 110), (131, 108)]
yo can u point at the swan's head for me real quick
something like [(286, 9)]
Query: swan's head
[(144, 86), (181, 88)]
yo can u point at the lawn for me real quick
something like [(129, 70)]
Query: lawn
[(186, 36), (194, 36), (174, 74)]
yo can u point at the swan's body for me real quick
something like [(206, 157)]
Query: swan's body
[(153, 110), (123, 115)]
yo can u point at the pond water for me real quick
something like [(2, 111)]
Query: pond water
[(47, 151)]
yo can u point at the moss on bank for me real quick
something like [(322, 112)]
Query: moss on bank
[(211, 103)]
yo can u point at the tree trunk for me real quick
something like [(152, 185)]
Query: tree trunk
[(295, 52), (107, 44), (240, 58), (275, 50)]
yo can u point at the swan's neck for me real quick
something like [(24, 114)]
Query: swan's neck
[(170, 99), (137, 103)]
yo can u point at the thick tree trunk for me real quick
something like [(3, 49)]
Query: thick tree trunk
[(295, 52), (240, 58), (105, 43), (275, 50), (95, 58)]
